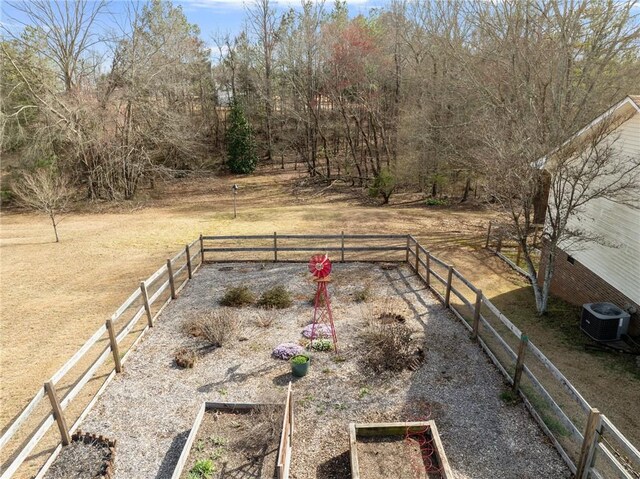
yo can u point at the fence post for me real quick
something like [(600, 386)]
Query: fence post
[(427, 278), (447, 293), (519, 254), (417, 261), (499, 246), (486, 244), (114, 346), (589, 444), (145, 299), (342, 248), (57, 413), (201, 249), (476, 314), (275, 247), (188, 253), (406, 259), (172, 283), (522, 349)]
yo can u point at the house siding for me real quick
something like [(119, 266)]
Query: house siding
[(577, 284), (617, 261)]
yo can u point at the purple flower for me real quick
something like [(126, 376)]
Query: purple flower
[(287, 350), (321, 331)]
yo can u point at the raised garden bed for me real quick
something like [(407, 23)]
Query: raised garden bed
[(249, 440), (397, 449), (88, 456)]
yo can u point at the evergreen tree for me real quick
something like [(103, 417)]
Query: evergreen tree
[(241, 150)]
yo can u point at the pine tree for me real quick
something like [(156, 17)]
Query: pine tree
[(241, 151)]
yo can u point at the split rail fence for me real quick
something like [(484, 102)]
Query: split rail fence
[(509, 250), (587, 441)]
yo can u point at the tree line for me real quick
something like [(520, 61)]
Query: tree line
[(442, 97)]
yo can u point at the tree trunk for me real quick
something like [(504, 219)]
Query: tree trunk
[(55, 226)]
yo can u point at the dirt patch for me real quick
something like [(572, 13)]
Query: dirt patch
[(238, 443), (383, 457)]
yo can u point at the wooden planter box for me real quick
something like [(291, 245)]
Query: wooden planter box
[(399, 430), (283, 459)]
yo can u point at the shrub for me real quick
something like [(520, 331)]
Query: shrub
[(265, 319), (277, 297), (387, 347), (389, 309), (384, 184), (185, 358), (362, 295), (219, 326), (436, 202), (237, 297), (263, 429), (321, 345), (287, 350)]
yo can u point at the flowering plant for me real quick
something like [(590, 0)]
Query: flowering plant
[(287, 350), (321, 331)]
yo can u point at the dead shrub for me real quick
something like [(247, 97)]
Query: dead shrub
[(237, 297), (277, 297), (193, 327), (264, 319), (387, 346), (219, 326), (363, 295), (262, 431), (185, 358), (389, 309)]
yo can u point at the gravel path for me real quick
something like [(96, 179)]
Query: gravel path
[(151, 406)]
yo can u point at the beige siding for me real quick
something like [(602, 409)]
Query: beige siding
[(618, 263)]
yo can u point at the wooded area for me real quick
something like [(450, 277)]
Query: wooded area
[(419, 94)]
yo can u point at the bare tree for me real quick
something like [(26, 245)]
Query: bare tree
[(262, 20), (44, 190), (60, 31)]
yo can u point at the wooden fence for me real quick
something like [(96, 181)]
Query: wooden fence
[(30, 433), (601, 450), (286, 438), (587, 441), (500, 242)]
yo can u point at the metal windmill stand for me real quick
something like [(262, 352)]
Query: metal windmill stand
[(320, 267)]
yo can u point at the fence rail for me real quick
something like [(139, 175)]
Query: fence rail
[(556, 405), (54, 398), (497, 336)]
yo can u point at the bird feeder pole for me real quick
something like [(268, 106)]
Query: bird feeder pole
[(235, 193)]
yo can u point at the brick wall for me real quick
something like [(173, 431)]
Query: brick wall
[(577, 284)]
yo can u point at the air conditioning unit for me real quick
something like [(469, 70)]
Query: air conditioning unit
[(604, 321)]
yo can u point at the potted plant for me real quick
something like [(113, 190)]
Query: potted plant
[(300, 365)]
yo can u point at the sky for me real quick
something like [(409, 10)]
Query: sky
[(212, 16)]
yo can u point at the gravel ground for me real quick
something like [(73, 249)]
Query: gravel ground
[(150, 407)]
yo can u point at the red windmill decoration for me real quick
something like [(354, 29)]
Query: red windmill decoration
[(320, 268)]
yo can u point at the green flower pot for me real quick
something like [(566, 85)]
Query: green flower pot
[(300, 369)]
